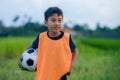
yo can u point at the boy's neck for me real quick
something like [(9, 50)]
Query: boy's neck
[(53, 34)]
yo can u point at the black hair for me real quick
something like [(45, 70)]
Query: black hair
[(52, 10)]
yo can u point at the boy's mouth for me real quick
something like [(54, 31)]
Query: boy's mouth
[(55, 28)]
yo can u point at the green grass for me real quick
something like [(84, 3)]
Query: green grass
[(109, 44), (9, 70), (93, 63), (10, 47)]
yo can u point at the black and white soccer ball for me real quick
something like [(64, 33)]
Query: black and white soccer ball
[(28, 60)]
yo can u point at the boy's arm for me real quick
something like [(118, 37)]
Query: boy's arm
[(33, 45), (74, 57)]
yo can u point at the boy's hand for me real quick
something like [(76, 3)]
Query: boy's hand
[(19, 63), (70, 69), (68, 73)]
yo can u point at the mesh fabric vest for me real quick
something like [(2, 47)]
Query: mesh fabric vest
[(54, 57)]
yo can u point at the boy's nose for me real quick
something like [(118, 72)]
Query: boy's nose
[(57, 22)]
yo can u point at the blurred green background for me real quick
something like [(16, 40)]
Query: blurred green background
[(98, 59), (94, 26)]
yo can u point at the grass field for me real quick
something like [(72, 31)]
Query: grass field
[(94, 62)]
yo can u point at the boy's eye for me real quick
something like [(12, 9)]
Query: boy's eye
[(60, 20), (53, 20)]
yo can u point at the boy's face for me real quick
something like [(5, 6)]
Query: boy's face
[(54, 23)]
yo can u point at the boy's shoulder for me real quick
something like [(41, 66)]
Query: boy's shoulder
[(42, 34), (67, 35)]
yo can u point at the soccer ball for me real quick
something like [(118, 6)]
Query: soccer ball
[(28, 60)]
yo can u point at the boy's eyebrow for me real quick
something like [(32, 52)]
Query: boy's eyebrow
[(58, 18)]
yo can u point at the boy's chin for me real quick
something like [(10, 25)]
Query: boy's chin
[(56, 31)]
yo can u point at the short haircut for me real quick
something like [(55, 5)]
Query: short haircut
[(52, 10)]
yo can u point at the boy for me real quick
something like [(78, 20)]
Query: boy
[(56, 50)]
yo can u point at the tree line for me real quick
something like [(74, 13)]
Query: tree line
[(34, 28), (99, 32)]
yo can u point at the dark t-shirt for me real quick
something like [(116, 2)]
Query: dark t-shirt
[(72, 45)]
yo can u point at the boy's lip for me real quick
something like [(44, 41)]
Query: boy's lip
[(56, 27)]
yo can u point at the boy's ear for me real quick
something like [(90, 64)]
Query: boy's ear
[(45, 22)]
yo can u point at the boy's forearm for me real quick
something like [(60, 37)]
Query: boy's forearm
[(74, 57)]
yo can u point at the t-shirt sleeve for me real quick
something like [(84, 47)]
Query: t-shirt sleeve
[(72, 45), (35, 43)]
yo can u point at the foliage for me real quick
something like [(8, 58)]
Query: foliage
[(102, 43), (99, 32), (33, 28), (93, 63), (11, 47), (28, 29)]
